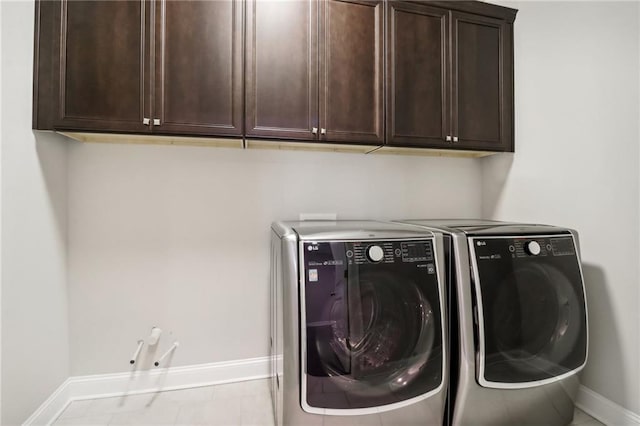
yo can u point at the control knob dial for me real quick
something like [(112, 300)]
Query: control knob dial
[(375, 253), (532, 248)]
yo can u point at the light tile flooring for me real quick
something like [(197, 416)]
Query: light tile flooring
[(233, 404), (242, 403), (583, 419)]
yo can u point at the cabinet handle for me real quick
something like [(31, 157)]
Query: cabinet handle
[(156, 121), (314, 130), (146, 121), (448, 138), (323, 131), (455, 139)]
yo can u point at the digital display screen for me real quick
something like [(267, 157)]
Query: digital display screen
[(417, 252), (562, 246)]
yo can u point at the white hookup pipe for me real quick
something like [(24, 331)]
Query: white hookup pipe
[(166, 354), (134, 358), (154, 336)]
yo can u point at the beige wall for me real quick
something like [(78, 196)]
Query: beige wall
[(179, 236), (35, 347), (576, 164)]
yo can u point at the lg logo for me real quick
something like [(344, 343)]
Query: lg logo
[(312, 248), (481, 243)]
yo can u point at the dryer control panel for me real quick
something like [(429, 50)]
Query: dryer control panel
[(524, 247)]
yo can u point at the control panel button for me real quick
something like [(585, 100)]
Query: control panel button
[(375, 253), (532, 248)]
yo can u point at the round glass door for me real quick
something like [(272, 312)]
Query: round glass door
[(373, 328), (381, 333), (533, 325)]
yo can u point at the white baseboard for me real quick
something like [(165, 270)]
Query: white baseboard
[(605, 410), (161, 379)]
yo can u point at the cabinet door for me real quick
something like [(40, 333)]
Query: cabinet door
[(198, 67), (352, 71), (282, 69), (103, 66), (482, 59), (417, 75)]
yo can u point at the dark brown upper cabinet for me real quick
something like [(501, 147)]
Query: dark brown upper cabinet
[(198, 67), (352, 71), (314, 70), (167, 67), (282, 69), (100, 65), (417, 75), (482, 89), (450, 75)]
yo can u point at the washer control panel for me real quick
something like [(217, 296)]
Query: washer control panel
[(377, 252), (322, 259), (363, 252)]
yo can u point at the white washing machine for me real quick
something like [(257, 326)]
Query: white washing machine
[(357, 324), (518, 322)]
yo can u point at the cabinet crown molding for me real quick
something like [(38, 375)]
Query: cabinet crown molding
[(476, 7)]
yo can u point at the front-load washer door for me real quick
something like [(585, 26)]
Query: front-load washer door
[(530, 310), (371, 325)]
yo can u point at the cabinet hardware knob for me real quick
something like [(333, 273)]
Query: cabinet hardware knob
[(314, 130), (156, 121), (448, 138), (146, 121), (323, 131), (455, 139)]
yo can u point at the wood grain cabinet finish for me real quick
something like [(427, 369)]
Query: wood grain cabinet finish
[(101, 66), (482, 61), (198, 67), (450, 75), (417, 75), (352, 71), (141, 66), (282, 69), (430, 74), (314, 70)]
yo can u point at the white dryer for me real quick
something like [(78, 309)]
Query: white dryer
[(357, 324), (518, 322)]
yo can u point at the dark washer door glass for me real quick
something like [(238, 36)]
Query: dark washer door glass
[(533, 308), (372, 321)]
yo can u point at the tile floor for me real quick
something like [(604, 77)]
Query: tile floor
[(233, 404), (242, 403), (583, 419)]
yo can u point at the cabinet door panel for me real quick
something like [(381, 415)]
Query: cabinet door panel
[(282, 69), (352, 71), (102, 65), (198, 71), (417, 94), (482, 87)]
